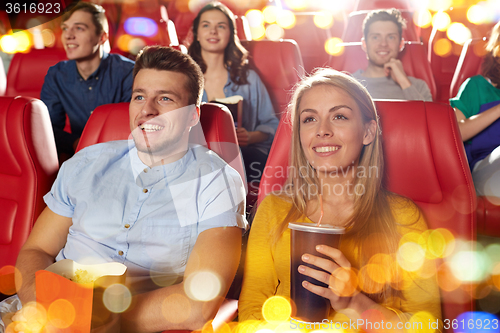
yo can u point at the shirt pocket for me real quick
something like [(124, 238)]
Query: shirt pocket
[(165, 245)]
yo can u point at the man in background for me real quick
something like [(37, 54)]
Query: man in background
[(91, 77), (385, 78)]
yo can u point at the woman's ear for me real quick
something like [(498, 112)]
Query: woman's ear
[(370, 132)]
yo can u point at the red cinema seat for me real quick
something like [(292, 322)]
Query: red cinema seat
[(3, 79), (469, 63), (443, 67), (28, 169), (27, 71), (280, 71), (425, 161), (111, 122), (353, 31), (413, 57)]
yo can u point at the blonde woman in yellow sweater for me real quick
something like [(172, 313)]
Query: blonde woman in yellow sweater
[(336, 172)]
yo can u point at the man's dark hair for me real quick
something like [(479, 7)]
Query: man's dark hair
[(163, 58), (98, 15), (392, 15)]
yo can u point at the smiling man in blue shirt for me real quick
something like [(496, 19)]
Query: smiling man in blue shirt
[(167, 209), (90, 77)]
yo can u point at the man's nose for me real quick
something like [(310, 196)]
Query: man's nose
[(150, 108)]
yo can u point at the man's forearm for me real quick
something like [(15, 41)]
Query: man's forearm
[(28, 263), (167, 309)]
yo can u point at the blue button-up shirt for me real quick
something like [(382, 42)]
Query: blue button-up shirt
[(258, 112), (146, 218), (65, 92)]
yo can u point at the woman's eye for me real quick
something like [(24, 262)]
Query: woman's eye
[(222, 26), (307, 120), (339, 116)]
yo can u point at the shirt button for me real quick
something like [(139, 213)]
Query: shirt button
[(90, 88), (145, 190), (120, 253), (146, 170), (97, 78), (127, 225)]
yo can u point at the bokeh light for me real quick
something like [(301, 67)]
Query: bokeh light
[(296, 4), (203, 286), (437, 5), (410, 256), (8, 44), (323, 20), (441, 21), (371, 278), (470, 265), (274, 32), (458, 33), (255, 18), (123, 42), (476, 14), (7, 286), (135, 45), (276, 308), (475, 322), (495, 276), (270, 14), (23, 41), (440, 242), (422, 18), (117, 298), (61, 313), (141, 26), (258, 32), (334, 46), (286, 19), (49, 39)]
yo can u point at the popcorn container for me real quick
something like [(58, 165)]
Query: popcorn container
[(79, 298)]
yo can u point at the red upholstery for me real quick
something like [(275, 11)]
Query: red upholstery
[(413, 57), (28, 169), (27, 71), (354, 29), (110, 122), (280, 71), (442, 67), (377, 4), (425, 161), (3, 79), (469, 63)]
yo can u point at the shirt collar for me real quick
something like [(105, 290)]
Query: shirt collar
[(146, 176)]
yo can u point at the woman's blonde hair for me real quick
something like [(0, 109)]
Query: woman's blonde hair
[(372, 212)]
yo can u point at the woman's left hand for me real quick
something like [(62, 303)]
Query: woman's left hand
[(342, 285)]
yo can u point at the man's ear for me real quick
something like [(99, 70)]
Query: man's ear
[(370, 132), (402, 45), (363, 44), (103, 38), (195, 117)]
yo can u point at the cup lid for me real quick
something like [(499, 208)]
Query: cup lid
[(311, 227)]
